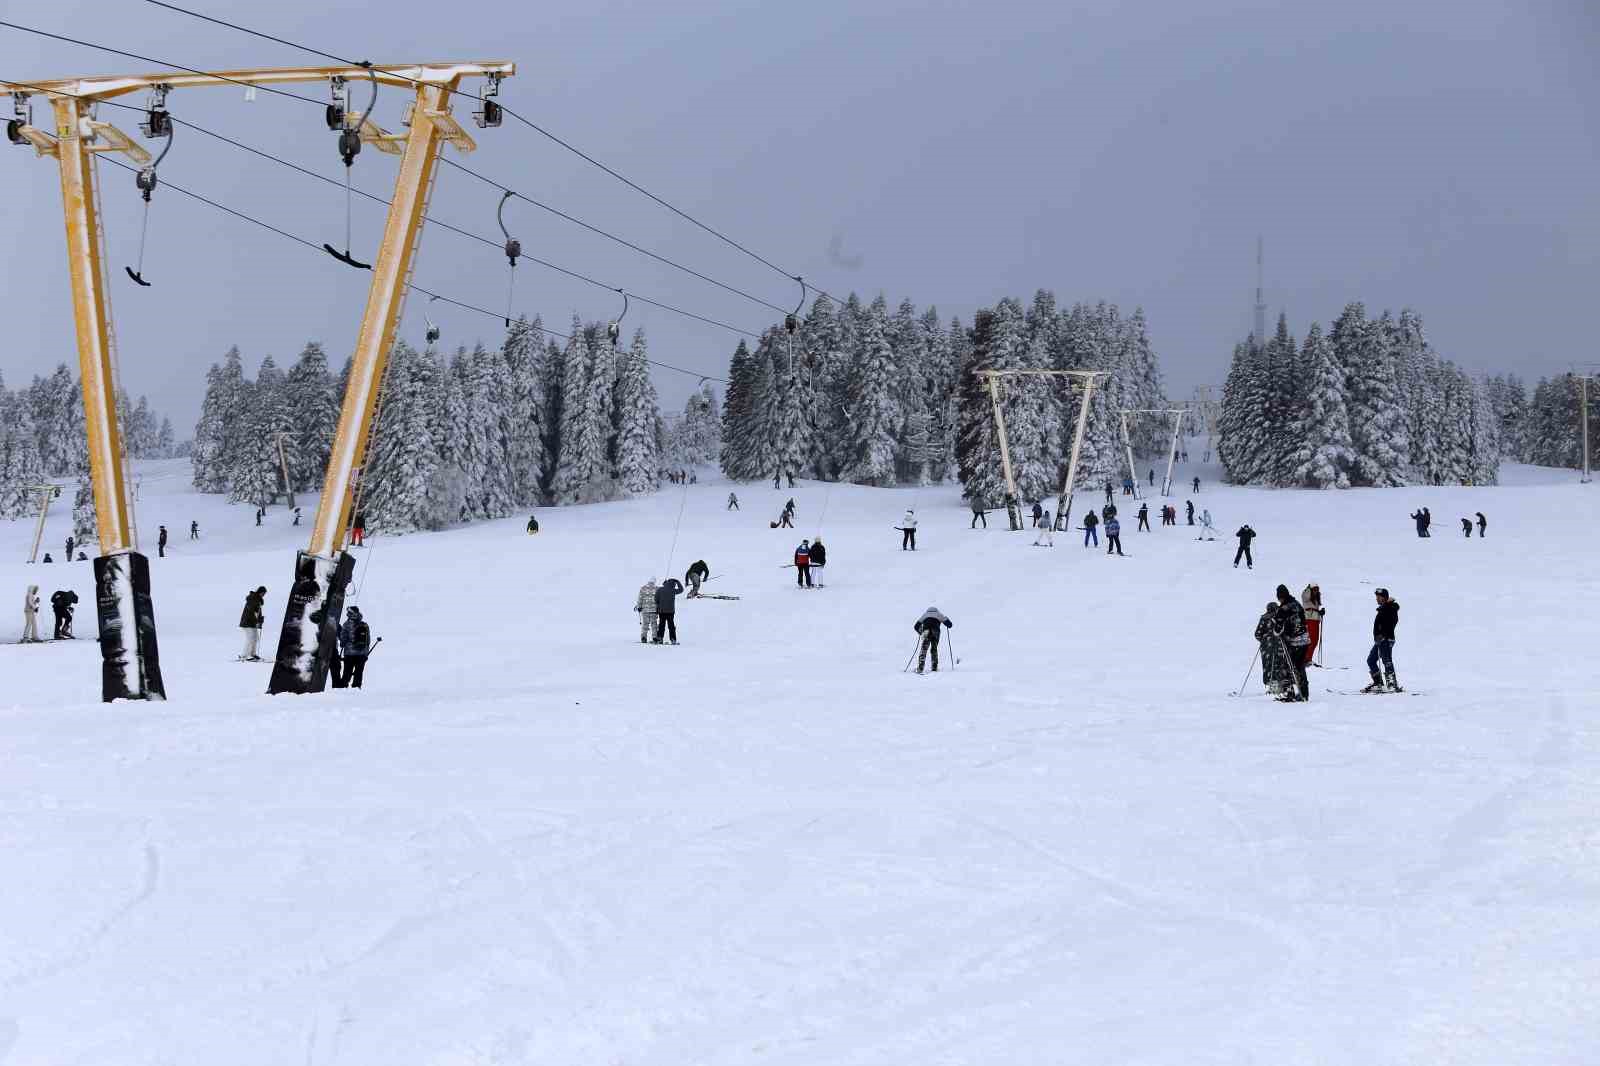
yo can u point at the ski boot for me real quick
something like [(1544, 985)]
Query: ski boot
[(1394, 686), (1376, 686)]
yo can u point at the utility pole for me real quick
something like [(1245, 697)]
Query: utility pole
[(1583, 380), (46, 494), (283, 464)]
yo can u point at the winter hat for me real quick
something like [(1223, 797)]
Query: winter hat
[(1272, 605), (1381, 592), (262, 589), (1283, 592)]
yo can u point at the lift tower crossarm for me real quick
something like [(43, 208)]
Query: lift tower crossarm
[(407, 75)]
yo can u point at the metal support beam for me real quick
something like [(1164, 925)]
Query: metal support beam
[(283, 464), (1127, 445), (46, 494), (1005, 451), (1172, 450), (1064, 501)]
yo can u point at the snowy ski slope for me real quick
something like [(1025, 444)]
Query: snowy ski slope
[(531, 840)]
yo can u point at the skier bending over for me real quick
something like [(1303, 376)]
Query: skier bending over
[(784, 519), (1090, 521), (251, 619), (645, 605), (693, 577), (802, 565), (1383, 625), (928, 626), (1245, 535), (1483, 525), (1046, 536), (533, 525), (667, 609), (30, 615), (1466, 528), (908, 531), (61, 602), (1293, 629), (1113, 535), (819, 559)]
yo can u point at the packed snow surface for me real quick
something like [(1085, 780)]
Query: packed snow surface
[(531, 840)]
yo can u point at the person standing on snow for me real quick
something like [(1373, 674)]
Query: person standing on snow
[(1207, 530), (358, 532), (645, 606), (1189, 507), (1383, 626), (251, 619), (1466, 528), (1038, 512), (1311, 603), (1274, 663), (1197, 485), (667, 609), (928, 627), (1144, 517), (30, 616), (161, 543), (1113, 535), (908, 531), (355, 644), (70, 543), (979, 515), (802, 565), (533, 525), (1108, 490), (1293, 617), (1090, 532), (194, 530), (819, 559), (733, 502), (1483, 526), (693, 577), (1245, 535), (1152, 476), (1046, 537), (1422, 523)]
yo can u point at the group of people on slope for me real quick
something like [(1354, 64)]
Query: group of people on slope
[(810, 555), (62, 603), (354, 643), (1424, 522), (1107, 519), (1290, 630)]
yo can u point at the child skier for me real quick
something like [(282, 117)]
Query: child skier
[(928, 628)]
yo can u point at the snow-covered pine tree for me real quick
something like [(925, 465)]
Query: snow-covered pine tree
[(1283, 413), (638, 455), (874, 412), (572, 467), (1377, 410), (1144, 389), (166, 442), (222, 406), (1032, 421), (977, 439), (85, 528), (1325, 455), (738, 415), (1238, 422), (524, 415), (939, 387), (402, 458), (57, 406), (784, 421), (908, 342), (21, 467), (823, 336), (491, 402), (701, 428), (254, 471), (1483, 467), (314, 406), (551, 372)]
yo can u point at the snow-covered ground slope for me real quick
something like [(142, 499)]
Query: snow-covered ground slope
[(531, 840)]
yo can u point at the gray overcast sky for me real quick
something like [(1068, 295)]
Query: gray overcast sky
[(1436, 153)]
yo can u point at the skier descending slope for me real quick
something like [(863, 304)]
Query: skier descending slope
[(1383, 626), (694, 576), (928, 627), (645, 605)]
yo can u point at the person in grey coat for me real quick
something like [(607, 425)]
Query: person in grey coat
[(928, 626), (667, 609), (645, 605)]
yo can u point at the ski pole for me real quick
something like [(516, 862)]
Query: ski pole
[(1248, 670), (955, 660), (913, 654)]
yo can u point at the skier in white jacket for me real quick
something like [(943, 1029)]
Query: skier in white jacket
[(30, 615), (908, 531)]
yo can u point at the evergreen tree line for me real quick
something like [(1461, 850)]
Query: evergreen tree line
[(42, 437), (857, 394), (479, 434), (1367, 403), (1546, 428)]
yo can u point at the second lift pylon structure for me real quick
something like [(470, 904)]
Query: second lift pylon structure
[(1087, 380)]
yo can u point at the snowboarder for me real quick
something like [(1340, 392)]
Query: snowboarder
[(1274, 663), (694, 576), (1207, 530), (1483, 525), (355, 644), (802, 565), (733, 502), (533, 525), (1189, 509), (928, 628), (1466, 528), (1090, 532), (645, 606), (1038, 512), (979, 515), (30, 615), (70, 543), (251, 619), (194, 530), (1245, 535), (1144, 517), (1383, 625), (1311, 602), (1046, 536), (1293, 630), (1113, 535), (1422, 523), (1197, 485), (161, 543), (61, 603), (358, 530), (819, 559), (667, 609), (908, 531)]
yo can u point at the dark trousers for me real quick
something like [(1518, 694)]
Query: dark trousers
[(354, 667), (733, 505), (929, 645), (194, 534), (1191, 517), (1113, 542), (666, 625), (63, 625), (161, 549), (784, 523), (1244, 553), (908, 539), (802, 574), (1297, 663), (1382, 649), (1090, 533), (979, 516), (1144, 522)]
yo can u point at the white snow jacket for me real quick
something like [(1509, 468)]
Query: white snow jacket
[(30, 601), (1311, 600), (909, 521)]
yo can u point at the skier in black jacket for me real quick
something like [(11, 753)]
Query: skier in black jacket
[(819, 559), (693, 576), (1245, 535), (928, 626), (1383, 626), (161, 543), (1483, 525), (1292, 617), (251, 619), (61, 603), (667, 609)]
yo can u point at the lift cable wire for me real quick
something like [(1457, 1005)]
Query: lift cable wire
[(413, 287), (591, 160)]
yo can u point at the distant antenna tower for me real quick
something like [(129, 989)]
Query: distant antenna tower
[(1261, 303)]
